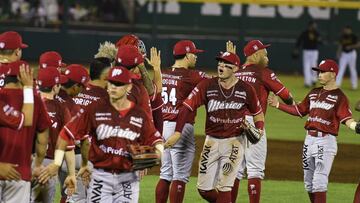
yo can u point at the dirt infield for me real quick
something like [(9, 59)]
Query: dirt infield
[(284, 161)]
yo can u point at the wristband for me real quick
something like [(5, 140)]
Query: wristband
[(58, 157), (259, 125), (28, 95), (352, 125)]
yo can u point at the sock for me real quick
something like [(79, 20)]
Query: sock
[(254, 190), (319, 197), (162, 191), (235, 190), (224, 197), (357, 194), (63, 199), (177, 191), (210, 195), (311, 197)]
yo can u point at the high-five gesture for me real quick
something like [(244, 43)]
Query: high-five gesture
[(230, 47)]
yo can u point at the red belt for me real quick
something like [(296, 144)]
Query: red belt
[(316, 133)]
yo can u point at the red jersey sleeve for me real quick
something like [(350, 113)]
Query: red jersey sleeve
[(197, 97), (252, 100), (150, 135), (44, 120), (77, 128), (343, 111), (66, 115), (9, 117), (198, 76), (274, 84), (303, 108), (157, 103)]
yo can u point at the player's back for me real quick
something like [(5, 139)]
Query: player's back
[(177, 85), (59, 115), (16, 145), (263, 80)]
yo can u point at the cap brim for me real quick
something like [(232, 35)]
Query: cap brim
[(63, 79), (24, 46), (315, 69), (267, 45), (198, 51)]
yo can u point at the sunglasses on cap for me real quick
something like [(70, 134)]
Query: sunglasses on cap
[(227, 64), (117, 84)]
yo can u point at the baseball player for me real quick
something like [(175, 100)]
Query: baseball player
[(49, 81), (128, 56), (113, 125), (347, 56), (227, 100), (16, 145), (78, 79), (309, 40), (153, 87), (178, 81), (11, 46), (255, 71), (327, 107)]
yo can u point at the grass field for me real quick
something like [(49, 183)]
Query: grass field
[(282, 126), (272, 192)]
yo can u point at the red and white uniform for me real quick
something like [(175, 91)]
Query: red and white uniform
[(177, 84), (139, 95), (326, 109), (111, 132), (59, 115), (90, 94), (16, 145), (224, 147), (225, 107), (264, 81), (64, 98), (9, 117)]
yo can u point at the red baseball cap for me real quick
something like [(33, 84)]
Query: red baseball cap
[(11, 40), (120, 74), (327, 65), (129, 56), (229, 57), (183, 47), (14, 67), (128, 39), (51, 59), (49, 77), (254, 46), (77, 73)]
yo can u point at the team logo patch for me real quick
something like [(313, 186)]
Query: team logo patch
[(187, 49), (2, 45), (255, 47), (227, 168)]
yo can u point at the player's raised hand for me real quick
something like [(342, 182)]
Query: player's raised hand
[(172, 140), (230, 47), (26, 75), (70, 185), (8, 171), (155, 58), (48, 172), (85, 174), (273, 101)]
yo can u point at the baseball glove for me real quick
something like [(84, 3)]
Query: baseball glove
[(143, 157), (252, 134)]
